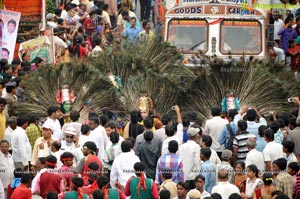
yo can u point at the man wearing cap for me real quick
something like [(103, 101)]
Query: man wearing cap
[(20, 145), (51, 20), (42, 146), (225, 164), (70, 144), (11, 98), (189, 153)]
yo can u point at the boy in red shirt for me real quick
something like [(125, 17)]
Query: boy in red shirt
[(23, 191)]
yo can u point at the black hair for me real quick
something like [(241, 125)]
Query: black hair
[(267, 178), (102, 181), (169, 130), (4, 141), (145, 23), (95, 120), (135, 116), (173, 146), (94, 166), (104, 119), (110, 124), (85, 128), (126, 146), (167, 173), (97, 41), (261, 130), (294, 166), (281, 123), (148, 136), (3, 101), (42, 160), (114, 137), (12, 21), (274, 126), (242, 125), (254, 169), (207, 140), (206, 152), (139, 167), (104, 6), (184, 185), (57, 11), (38, 60), (281, 163), (235, 196), (289, 145), (216, 196), (282, 196), (164, 194), (125, 13), (18, 172), (269, 134), (74, 116), (215, 111), (251, 115), (293, 122), (185, 122), (51, 195), (51, 159), (56, 145), (26, 178), (277, 192), (98, 194), (232, 113), (77, 181), (240, 162), (21, 121), (199, 177), (148, 122), (52, 109), (66, 155), (77, 42)]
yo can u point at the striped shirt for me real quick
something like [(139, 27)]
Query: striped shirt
[(240, 141), (172, 161)]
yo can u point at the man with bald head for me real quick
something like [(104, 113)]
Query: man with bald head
[(253, 156), (224, 188)]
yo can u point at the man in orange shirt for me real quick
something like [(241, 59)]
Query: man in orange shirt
[(23, 191)]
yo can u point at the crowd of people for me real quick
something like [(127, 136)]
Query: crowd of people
[(233, 155)]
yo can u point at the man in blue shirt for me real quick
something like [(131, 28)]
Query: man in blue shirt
[(132, 33), (208, 170)]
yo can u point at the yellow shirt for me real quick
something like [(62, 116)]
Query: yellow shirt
[(2, 125)]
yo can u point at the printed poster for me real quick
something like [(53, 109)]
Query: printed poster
[(8, 31), (39, 47)]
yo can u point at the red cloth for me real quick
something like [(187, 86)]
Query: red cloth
[(50, 182), (86, 170), (294, 58), (9, 191), (21, 192), (82, 51)]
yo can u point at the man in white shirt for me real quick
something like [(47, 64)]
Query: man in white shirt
[(20, 145), (278, 24), (74, 116), (12, 125), (189, 153), (54, 113), (97, 136), (224, 188), (68, 145), (272, 150), (7, 166), (122, 166), (253, 156), (121, 23), (51, 20), (42, 146), (214, 127)]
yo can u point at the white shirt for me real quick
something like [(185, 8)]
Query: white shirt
[(225, 189), (20, 145), (1, 190), (105, 15), (57, 128), (57, 154), (33, 183), (273, 151), (122, 22), (289, 159), (7, 168), (83, 139), (52, 24), (70, 147), (251, 186), (96, 51), (165, 144), (59, 45), (257, 158), (213, 128), (214, 158), (7, 135), (189, 153), (96, 136), (109, 144), (280, 54), (122, 168), (277, 26)]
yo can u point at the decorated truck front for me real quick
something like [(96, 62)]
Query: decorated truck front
[(216, 29)]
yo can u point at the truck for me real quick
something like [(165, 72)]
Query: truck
[(220, 28)]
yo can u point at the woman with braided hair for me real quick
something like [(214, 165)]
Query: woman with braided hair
[(141, 187), (77, 193)]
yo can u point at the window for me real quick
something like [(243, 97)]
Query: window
[(240, 37), (188, 35)]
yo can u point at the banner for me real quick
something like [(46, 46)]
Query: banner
[(9, 31), (39, 47)]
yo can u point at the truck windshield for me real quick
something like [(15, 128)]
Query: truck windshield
[(187, 34), (240, 37)]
